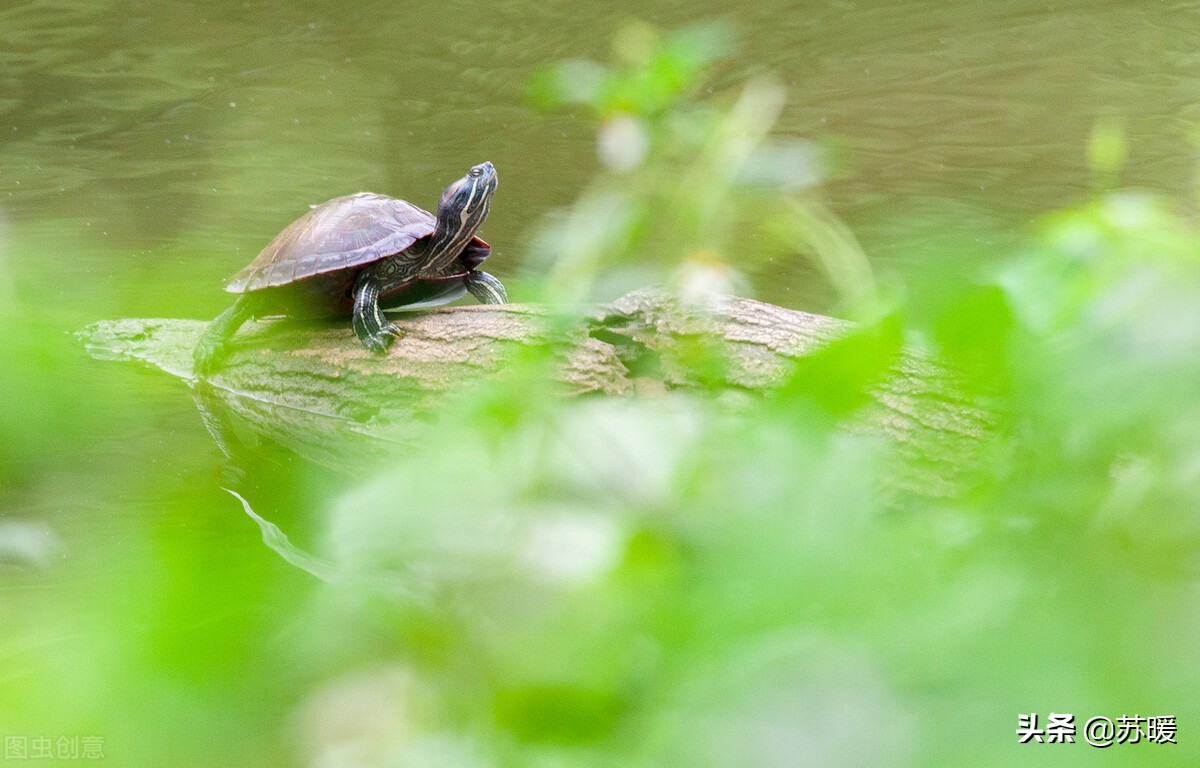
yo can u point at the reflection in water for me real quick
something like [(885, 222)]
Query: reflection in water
[(279, 543), (241, 421)]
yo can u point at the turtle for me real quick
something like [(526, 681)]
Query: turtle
[(361, 254)]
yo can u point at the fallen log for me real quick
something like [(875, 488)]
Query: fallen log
[(295, 382)]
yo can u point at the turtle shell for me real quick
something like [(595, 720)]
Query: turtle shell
[(338, 238)]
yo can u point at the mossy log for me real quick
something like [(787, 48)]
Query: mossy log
[(295, 382)]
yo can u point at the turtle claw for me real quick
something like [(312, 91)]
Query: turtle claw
[(379, 342)]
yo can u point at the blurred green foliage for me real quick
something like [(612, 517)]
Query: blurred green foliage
[(694, 579), (695, 192)]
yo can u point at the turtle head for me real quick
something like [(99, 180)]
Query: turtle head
[(460, 213), (465, 203)]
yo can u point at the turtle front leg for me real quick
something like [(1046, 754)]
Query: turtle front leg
[(485, 288), (370, 325)]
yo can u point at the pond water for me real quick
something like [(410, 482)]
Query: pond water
[(164, 144), (148, 150)]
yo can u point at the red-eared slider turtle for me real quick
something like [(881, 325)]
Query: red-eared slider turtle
[(361, 254)]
